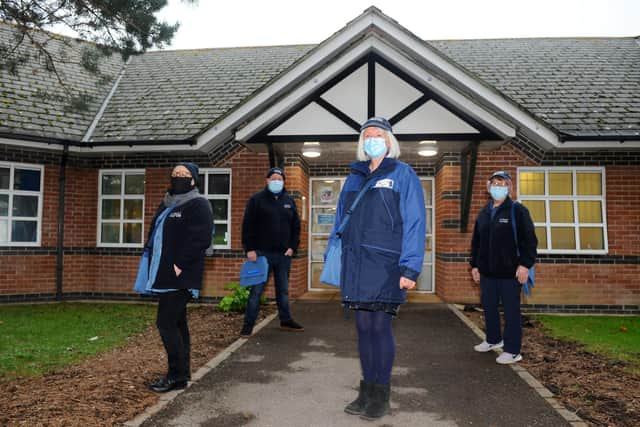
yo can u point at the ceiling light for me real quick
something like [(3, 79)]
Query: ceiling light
[(311, 149), (428, 148)]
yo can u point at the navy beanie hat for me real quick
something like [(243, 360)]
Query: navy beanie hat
[(378, 122), (192, 168), (276, 170)]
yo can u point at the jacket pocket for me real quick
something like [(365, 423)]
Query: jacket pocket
[(379, 273)]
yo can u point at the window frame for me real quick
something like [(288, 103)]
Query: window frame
[(11, 192), (122, 197), (574, 199), (204, 190)]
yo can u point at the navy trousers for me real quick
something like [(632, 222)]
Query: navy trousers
[(174, 331), (493, 291), (280, 264)]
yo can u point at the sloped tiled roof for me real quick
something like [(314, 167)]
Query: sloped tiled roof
[(176, 94), (23, 110), (579, 86), (584, 86)]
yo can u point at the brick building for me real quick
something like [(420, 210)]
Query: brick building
[(78, 186)]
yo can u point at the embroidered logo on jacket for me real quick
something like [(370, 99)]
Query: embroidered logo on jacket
[(504, 220), (175, 215), (287, 206), (384, 183)]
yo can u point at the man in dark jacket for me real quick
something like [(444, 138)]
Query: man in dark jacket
[(501, 267), (185, 233), (271, 227)]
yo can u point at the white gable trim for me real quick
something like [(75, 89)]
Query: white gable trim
[(369, 44)]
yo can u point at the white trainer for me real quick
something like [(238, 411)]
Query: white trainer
[(508, 358), (484, 346)]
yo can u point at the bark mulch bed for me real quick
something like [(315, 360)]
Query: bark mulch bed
[(111, 388), (599, 390)]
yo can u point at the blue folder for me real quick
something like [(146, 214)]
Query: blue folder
[(254, 272)]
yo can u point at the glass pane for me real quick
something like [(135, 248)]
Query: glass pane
[(4, 204), (110, 233), (561, 211), (24, 231), (589, 211), (26, 180), (134, 184), (428, 249), (563, 238), (536, 209), (427, 189), (589, 184), (424, 282), (318, 246), (132, 232), (25, 206), (532, 183), (326, 192), (541, 234), (591, 238), (429, 220), (220, 209), (316, 271), (4, 231), (132, 209), (111, 184), (220, 234), (560, 184), (4, 178), (219, 183), (111, 209), (322, 220)]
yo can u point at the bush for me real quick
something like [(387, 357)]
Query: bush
[(238, 299)]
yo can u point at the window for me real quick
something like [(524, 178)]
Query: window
[(567, 206), (20, 204), (121, 208), (215, 184)]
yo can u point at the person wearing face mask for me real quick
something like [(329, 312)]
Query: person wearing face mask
[(271, 227), (500, 267), (383, 245), (181, 231)]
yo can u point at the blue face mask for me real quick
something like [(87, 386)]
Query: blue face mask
[(375, 147), (498, 193), (275, 186)]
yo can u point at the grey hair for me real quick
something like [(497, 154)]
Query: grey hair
[(394, 149)]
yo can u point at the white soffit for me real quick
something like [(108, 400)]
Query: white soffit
[(392, 93), (312, 120), (433, 118), (350, 95)]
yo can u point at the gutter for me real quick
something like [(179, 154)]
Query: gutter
[(71, 143)]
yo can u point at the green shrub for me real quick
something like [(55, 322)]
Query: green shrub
[(238, 299)]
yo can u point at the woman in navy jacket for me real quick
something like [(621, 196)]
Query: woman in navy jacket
[(382, 252), (186, 234)]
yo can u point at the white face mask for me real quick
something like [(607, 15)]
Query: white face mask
[(498, 192), (375, 147)]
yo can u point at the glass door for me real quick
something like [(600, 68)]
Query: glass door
[(324, 201)]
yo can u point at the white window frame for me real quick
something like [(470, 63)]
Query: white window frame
[(122, 197), (205, 192), (11, 192), (431, 232), (574, 199)]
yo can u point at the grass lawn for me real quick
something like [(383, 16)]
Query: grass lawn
[(39, 338), (613, 336)]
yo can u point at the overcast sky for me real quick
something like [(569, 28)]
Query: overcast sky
[(227, 23)]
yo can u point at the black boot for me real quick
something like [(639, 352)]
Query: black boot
[(378, 404), (357, 406)]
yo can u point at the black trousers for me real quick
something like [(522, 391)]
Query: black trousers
[(174, 331)]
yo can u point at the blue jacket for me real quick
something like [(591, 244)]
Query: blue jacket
[(385, 236)]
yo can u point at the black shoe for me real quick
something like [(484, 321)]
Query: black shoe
[(246, 331), (291, 325), (378, 403), (357, 406), (164, 385)]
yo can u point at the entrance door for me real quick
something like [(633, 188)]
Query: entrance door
[(324, 201)]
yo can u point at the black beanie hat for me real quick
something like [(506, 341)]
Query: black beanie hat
[(278, 171), (192, 168)]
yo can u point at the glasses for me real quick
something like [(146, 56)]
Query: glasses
[(499, 183)]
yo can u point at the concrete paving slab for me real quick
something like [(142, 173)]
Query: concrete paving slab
[(282, 379)]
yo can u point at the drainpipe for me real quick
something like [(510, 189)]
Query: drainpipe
[(468, 171), (60, 248)]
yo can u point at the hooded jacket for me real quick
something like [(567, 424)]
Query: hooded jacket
[(385, 236), (493, 245), (270, 223)]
